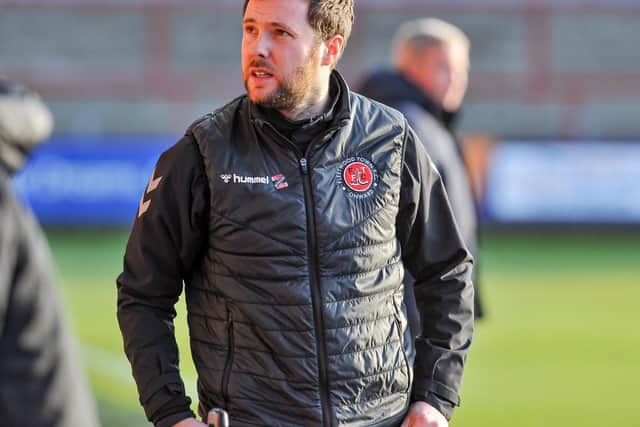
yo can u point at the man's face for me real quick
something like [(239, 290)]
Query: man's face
[(434, 64), (280, 53), (459, 59)]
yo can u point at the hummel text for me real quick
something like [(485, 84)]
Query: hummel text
[(238, 179)]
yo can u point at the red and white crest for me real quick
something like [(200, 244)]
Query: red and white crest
[(358, 177)]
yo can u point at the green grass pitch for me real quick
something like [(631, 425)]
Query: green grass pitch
[(560, 345)]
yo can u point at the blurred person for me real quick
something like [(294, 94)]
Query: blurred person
[(290, 215), (41, 381), (428, 84)]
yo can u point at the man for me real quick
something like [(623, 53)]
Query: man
[(431, 60), (41, 381), (289, 213)]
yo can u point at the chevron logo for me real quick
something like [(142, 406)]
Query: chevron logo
[(153, 184)]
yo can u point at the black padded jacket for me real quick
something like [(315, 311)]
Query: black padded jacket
[(293, 265)]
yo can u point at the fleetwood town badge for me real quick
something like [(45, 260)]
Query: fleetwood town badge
[(357, 177)]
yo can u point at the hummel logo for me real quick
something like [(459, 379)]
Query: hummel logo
[(240, 179), (153, 184)]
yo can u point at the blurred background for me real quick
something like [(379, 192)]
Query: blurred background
[(551, 129)]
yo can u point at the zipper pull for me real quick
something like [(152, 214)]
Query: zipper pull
[(229, 315), (303, 166)]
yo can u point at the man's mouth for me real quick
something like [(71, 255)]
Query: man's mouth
[(261, 74)]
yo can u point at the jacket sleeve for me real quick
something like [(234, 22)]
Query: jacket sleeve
[(167, 238), (436, 256)]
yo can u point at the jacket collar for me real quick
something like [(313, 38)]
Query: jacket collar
[(338, 115)]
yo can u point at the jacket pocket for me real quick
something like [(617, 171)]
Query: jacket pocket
[(402, 344), (229, 362)]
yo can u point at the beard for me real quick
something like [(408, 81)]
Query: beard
[(293, 90)]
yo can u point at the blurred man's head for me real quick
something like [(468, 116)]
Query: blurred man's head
[(434, 55), (290, 47), (24, 123)]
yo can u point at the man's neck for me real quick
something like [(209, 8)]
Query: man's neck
[(318, 103)]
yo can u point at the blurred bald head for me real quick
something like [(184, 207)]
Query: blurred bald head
[(434, 55)]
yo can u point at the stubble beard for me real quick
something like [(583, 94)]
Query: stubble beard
[(293, 92)]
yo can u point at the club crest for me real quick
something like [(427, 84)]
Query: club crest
[(357, 177)]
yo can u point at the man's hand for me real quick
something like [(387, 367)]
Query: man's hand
[(190, 422), (421, 414)]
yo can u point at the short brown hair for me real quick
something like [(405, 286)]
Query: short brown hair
[(328, 17)]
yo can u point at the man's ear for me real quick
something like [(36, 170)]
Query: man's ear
[(332, 50)]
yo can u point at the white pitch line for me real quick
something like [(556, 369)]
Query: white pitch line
[(117, 367)]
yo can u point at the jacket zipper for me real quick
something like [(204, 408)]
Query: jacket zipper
[(229, 362), (396, 320), (316, 297), (314, 278)]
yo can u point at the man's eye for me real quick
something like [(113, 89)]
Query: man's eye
[(283, 33), (249, 30)]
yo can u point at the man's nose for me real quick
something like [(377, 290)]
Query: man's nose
[(262, 45)]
